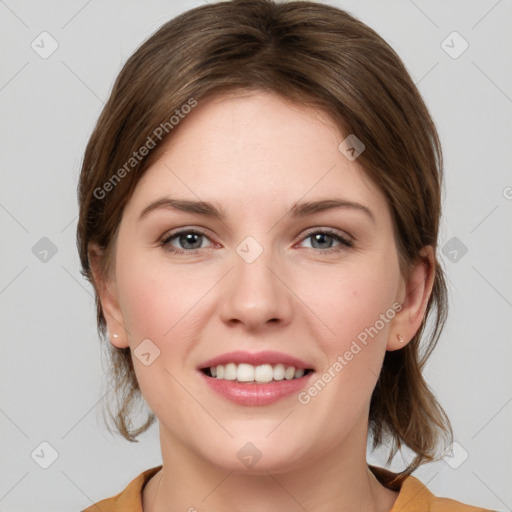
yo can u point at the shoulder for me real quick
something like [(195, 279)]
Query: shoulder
[(128, 500), (414, 496)]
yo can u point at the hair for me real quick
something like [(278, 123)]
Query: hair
[(316, 56)]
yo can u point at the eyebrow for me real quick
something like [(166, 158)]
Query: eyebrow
[(207, 209)]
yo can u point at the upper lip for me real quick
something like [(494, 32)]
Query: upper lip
[(255, 359)]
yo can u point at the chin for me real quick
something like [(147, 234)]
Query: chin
[(256, 455)]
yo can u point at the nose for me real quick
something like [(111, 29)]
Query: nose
[(256, 294)]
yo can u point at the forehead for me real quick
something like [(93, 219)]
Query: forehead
[(254, 149)]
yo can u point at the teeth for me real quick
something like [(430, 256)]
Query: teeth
[(279, 372), (264, 373), (230, 372), (244, 373), (248, 373), (289, 373)]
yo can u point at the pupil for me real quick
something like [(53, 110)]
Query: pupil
[(189, 239), (320, 237)]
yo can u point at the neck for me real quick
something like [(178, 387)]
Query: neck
[(337, 481)]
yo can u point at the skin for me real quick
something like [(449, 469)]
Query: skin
[(255, 155)]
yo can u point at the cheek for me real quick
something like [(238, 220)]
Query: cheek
[(157, 305), (148, 308), (351, 299), (156, 300), (356, 305)]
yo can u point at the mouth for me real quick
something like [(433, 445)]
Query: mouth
[(255, 379), (249, 374)]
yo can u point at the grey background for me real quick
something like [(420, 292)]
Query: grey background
[(51, 371)]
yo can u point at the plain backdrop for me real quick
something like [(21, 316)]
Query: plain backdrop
[(51, 371)]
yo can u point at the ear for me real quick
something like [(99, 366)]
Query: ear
[(414, 299), (106, 290)]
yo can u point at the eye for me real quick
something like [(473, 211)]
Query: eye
[(326, 239), (188, 241), (185, 241)]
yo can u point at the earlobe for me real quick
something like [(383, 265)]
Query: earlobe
[(106, 291), (119, 341), (414, 303)]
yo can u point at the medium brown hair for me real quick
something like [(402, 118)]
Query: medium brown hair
[(314, 55)]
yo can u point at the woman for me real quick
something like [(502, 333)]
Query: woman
[(239, 139)]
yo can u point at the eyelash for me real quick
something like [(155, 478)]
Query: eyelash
[(344, 242)]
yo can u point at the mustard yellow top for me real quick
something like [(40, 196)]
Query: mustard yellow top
[(413, 496)]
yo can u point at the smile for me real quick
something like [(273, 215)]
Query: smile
[(255, 379), (248, 373)]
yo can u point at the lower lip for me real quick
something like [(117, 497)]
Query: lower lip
[(256, 394)]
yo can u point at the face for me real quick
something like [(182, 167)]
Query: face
[(270, 283)]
